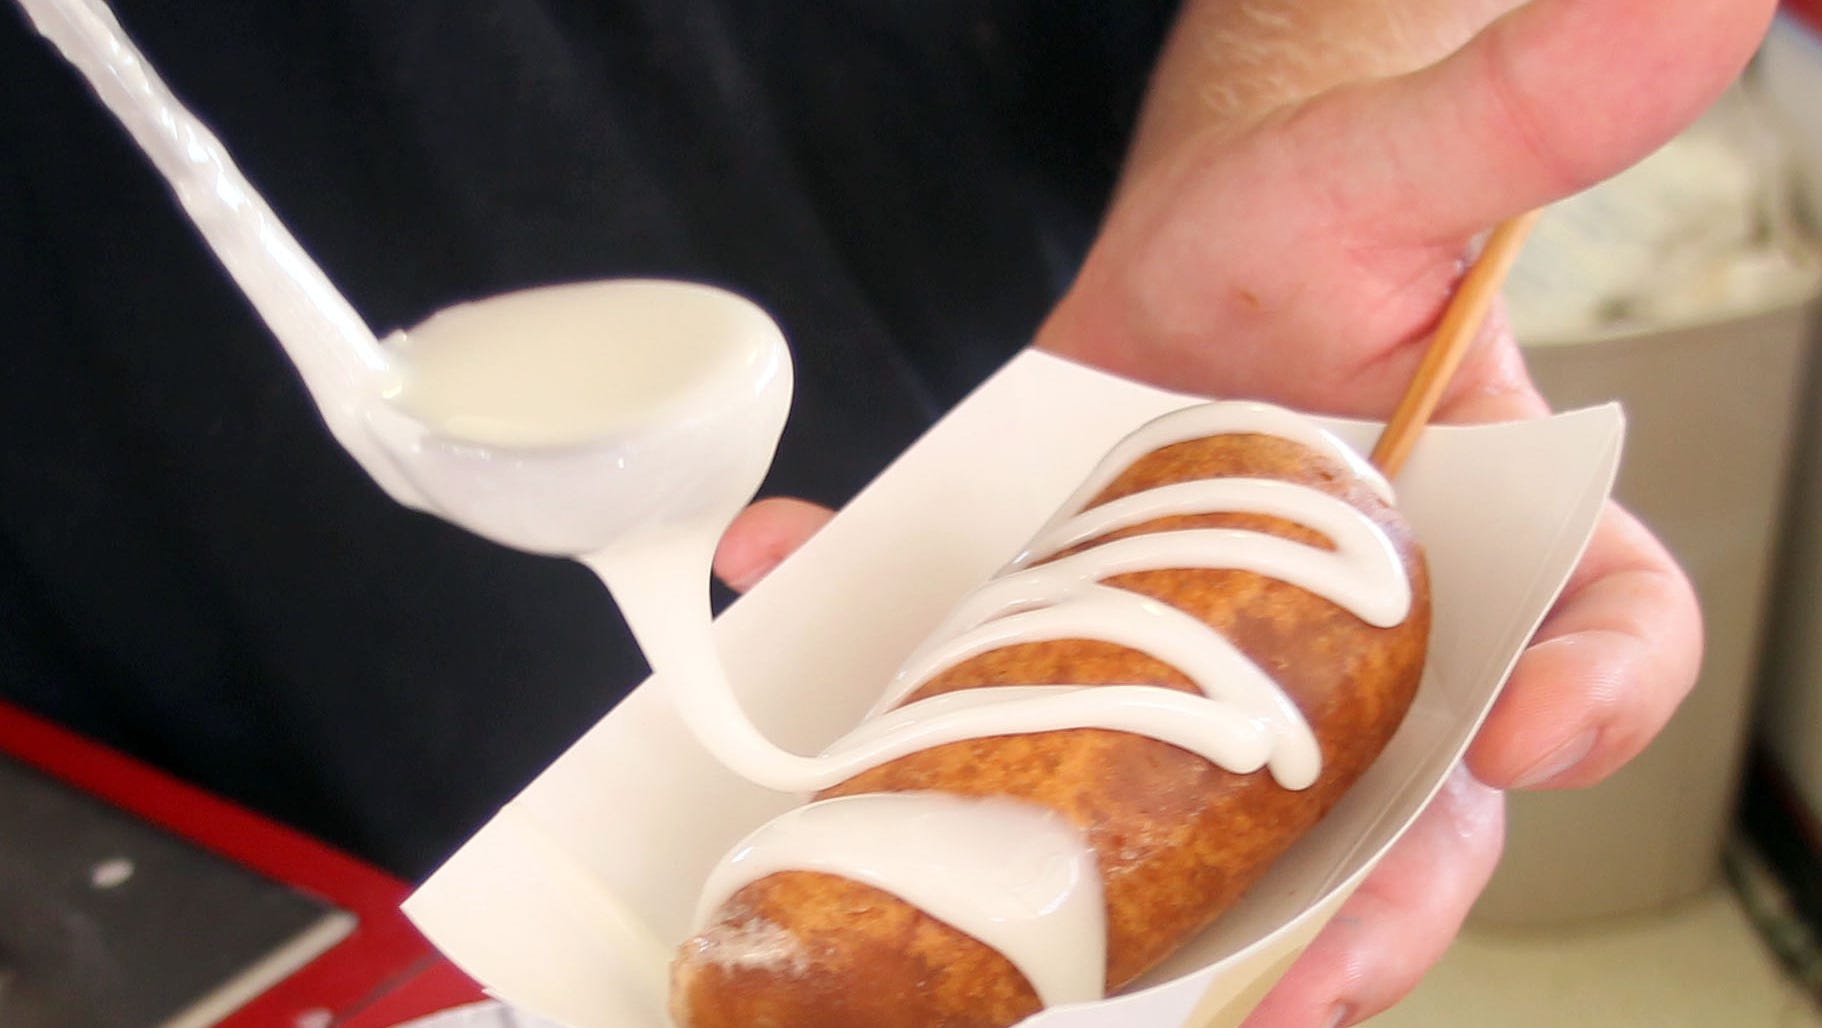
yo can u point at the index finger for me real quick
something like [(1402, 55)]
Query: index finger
[(762, 536)]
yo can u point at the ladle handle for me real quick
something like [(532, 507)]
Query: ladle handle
[(335, 353)]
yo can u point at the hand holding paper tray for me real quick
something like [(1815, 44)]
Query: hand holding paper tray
[(569, 902)]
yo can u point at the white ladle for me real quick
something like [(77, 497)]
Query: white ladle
[(623, 423), (678, 367)]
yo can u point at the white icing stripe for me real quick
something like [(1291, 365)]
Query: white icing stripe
[(1344, 525), (1220, 731), (1354, 580), (1014, 875), (1138, 622), (1232, 417), (1172, 637)]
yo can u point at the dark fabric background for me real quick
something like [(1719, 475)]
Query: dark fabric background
[(190, 570)]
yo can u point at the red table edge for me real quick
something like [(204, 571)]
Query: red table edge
[(383, 962), (438, 987)]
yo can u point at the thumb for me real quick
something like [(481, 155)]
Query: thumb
[(1547, 100)]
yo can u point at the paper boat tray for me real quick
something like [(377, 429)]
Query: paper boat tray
[(569, 902)]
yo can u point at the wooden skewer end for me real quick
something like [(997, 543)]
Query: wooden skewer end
[(1460, 323)]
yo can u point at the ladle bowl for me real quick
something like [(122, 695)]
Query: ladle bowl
[(696, 451)]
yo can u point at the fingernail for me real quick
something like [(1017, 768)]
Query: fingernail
[(1342, 1014), (1557, 761)]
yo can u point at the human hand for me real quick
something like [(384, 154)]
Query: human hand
[(1296, 240)]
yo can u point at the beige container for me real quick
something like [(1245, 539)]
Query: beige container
[(1712, 410)]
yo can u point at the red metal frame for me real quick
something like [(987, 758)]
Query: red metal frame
[(384, 964), (1806, 10)]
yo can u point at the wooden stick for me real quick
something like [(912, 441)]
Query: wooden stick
[(1460, 324)]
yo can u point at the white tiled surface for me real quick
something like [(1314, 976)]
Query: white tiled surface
[(1699, 964)]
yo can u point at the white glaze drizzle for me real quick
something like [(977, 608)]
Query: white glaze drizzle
[(1241, 721), (1226, 417), (1014, 875)]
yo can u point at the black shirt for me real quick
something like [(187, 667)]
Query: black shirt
[(192, 571)]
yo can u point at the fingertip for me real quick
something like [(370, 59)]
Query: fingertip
[(1607, 671), (762, 536), (1550, 717), (1577, 708)]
